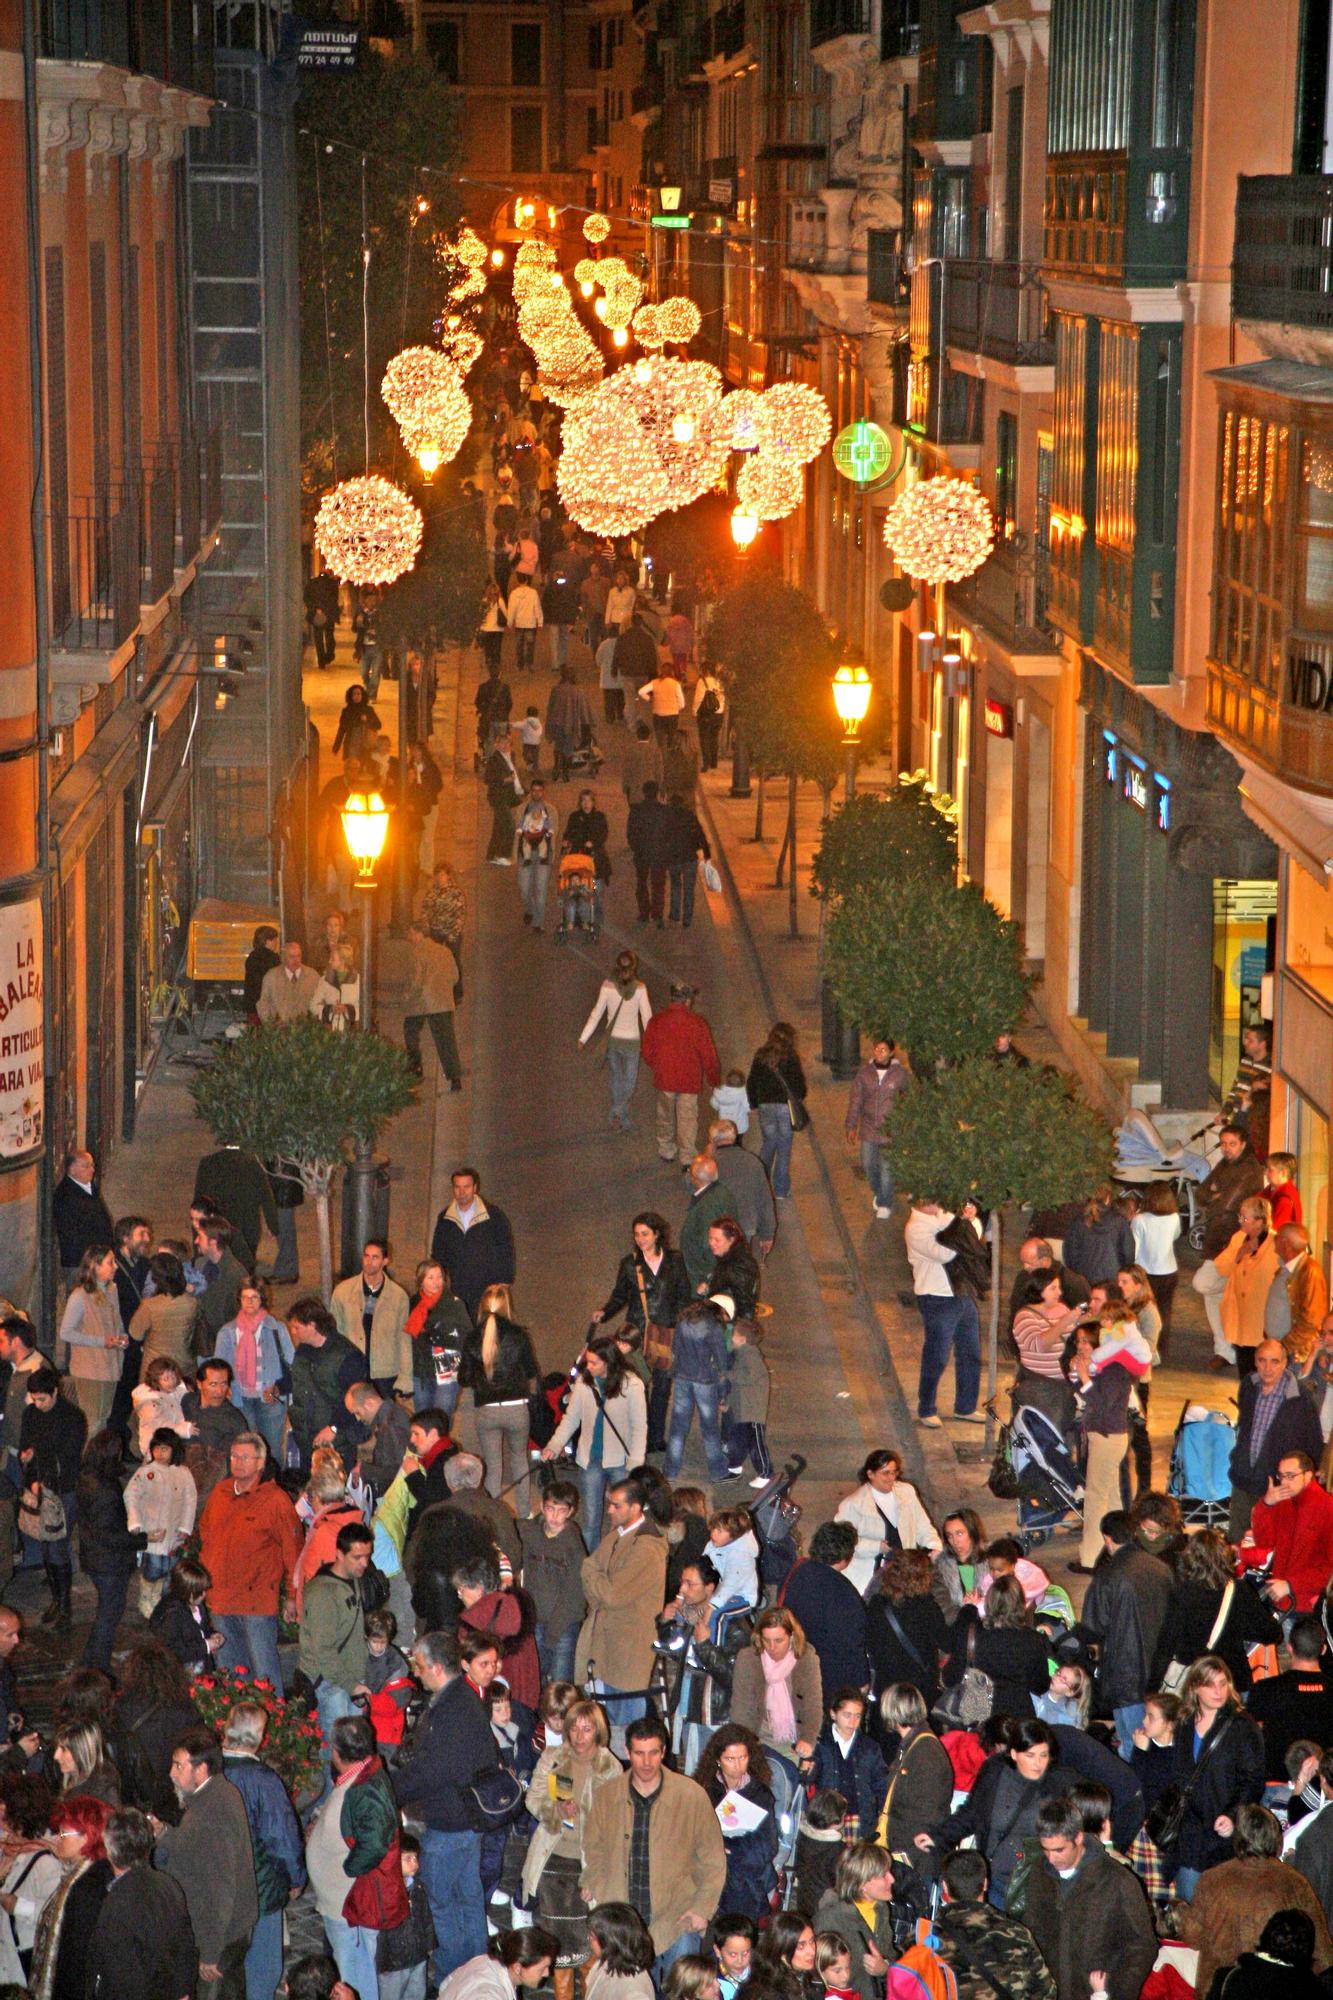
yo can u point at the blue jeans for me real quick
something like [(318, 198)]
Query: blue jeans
[(555, 1652), (686, 1398), (1127, 1720), (875, 1167), (354, 1949), (1187, 1881), (111, 1587), (269, 1419), (263, 1960), (622, 1060), (688, 1941), (951, 1326), (436, 1396), (451, 1871), (331, 1704), (594, 1479), (775, 1151), (252, 1643), (682, 892)]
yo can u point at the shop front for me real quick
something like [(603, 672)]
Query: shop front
[(1179, 889)]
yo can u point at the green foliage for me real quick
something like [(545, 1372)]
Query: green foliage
[(878, 839), (694, 547), (292, 1738), (936, 967), (997, 1132), (294, 1091), (777, 660), (405, 115), (444, 591)]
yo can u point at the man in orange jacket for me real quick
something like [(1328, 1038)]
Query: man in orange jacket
[(249, 1539), (679, 1049)]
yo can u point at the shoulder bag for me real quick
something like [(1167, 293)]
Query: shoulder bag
[(1174, 1677), (971, 1702), (1166, 1818), (657, 1339), (800, 1117), (42, 1515)]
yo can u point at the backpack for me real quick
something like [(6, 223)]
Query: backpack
[(971, 1700), (710, 705), (921, 1974)]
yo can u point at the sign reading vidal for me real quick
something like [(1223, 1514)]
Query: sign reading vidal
[(22, 1052)]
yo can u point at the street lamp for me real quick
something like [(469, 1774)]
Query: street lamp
[(365, 819), (744, 527), (851, 698)]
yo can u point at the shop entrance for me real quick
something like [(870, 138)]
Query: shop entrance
[(1241, 921)]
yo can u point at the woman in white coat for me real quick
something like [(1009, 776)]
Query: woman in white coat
[(887, 1514), (608, 1410)]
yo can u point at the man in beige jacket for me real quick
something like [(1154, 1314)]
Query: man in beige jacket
[(371, 1311), (652, 1839), (288, 988), (430, 1003), (624, 1581)]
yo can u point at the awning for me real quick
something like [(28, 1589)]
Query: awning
[(1300, 823)]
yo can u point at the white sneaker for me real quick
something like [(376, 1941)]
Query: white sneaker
[(969, 1417), (931, 1423), (757, 1483), (882, 1214)]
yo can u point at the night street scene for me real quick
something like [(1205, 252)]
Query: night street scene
[(666, 1000)]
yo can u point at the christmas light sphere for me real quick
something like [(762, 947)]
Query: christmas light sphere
[(610, 479), (585, 271), (742, 408), (596, 228), (425, 394), (648, 327), (770, 487), (462, 346), (469, 286), (679, 319), (368, 531), (678, 407), (470, 249), (794, 421), (940, 531)]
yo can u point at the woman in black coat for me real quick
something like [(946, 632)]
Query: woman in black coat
[(358, 725), (107, 1549), (733, 1761), (1002, 1641), (1000, 1811), (652, 1287), (181, 1620), (777, 1082), (735, 1271), (153, 1711), (500, 1368), (906, 1632), (1204, 1569), (1219, 1755), (51, 1439)]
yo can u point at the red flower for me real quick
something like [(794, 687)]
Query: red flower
[(240, 1673), (207, 1684), (263, 1684)]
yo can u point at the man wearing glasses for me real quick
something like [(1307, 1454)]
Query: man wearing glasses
[(1277, 1418), (1294, 1523)]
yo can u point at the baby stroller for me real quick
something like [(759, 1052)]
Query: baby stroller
[(580, 896), (1049, 1484), (587, 759), (1200, 1476)]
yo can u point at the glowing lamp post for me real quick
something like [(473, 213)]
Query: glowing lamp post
[(365, 819), (851, 698), (744, 528)]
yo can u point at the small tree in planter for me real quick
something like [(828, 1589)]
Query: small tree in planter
[(878, 838), (295, 1093), (996, 1133), (936, 966)]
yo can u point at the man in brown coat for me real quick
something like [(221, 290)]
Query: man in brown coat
[(624, 1581), (430, 1003), (1234, 1901), (652, 1839)]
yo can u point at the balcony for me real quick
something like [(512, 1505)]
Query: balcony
[(1282, 265), (899, 29), (998, 309), (887, 281), (156, 38), (729, 31), (1286, 729), (831, 20), (1085, 213), (1007, 596)]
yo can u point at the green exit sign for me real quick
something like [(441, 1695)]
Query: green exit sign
[(670, 221)]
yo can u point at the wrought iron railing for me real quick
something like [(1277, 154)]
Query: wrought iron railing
[(1008, 596), (830, 19), (94, 574), (997, 309), (1282, 266)]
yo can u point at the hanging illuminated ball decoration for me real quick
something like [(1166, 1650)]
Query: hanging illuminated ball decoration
[(621, 291), (648, 327), (742, 408), (462, 346), (368, 531), (770, 487), (794, 421), (940, 531), (596, 228), (426, 397), (469, 249), (611, 481), (585, 271), (679, 319)]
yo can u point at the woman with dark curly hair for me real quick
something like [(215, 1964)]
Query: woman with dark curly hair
[(735, 1272), (1204, 1569), (153, 1712), (31, 1872), (906, 1632), (734, 1772), (1002, 1640), (620, 1952), (784, 1960)]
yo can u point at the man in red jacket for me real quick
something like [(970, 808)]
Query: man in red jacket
[(679, 1049), (1295, 1521)]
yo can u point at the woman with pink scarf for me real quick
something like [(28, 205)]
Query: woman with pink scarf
[(258, 1350), (776, 1691)]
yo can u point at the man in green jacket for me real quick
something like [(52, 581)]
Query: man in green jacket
[(332, 1652), (709, 1200)]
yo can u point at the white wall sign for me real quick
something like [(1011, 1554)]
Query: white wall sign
[(22, 1054)]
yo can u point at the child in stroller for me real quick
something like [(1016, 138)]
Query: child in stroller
[(587, 759), (580, 896)]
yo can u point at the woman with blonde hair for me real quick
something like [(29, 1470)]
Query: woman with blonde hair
[(776, 1691), (78, 1752), (336, 1001), (559, 1794), (330, 1509), (500, 1369), (1218, 1762), (1249, 1263)]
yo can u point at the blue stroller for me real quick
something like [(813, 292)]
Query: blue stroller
[(1200, 1476)]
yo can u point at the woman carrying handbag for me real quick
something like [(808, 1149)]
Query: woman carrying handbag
[(776, 1088)]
